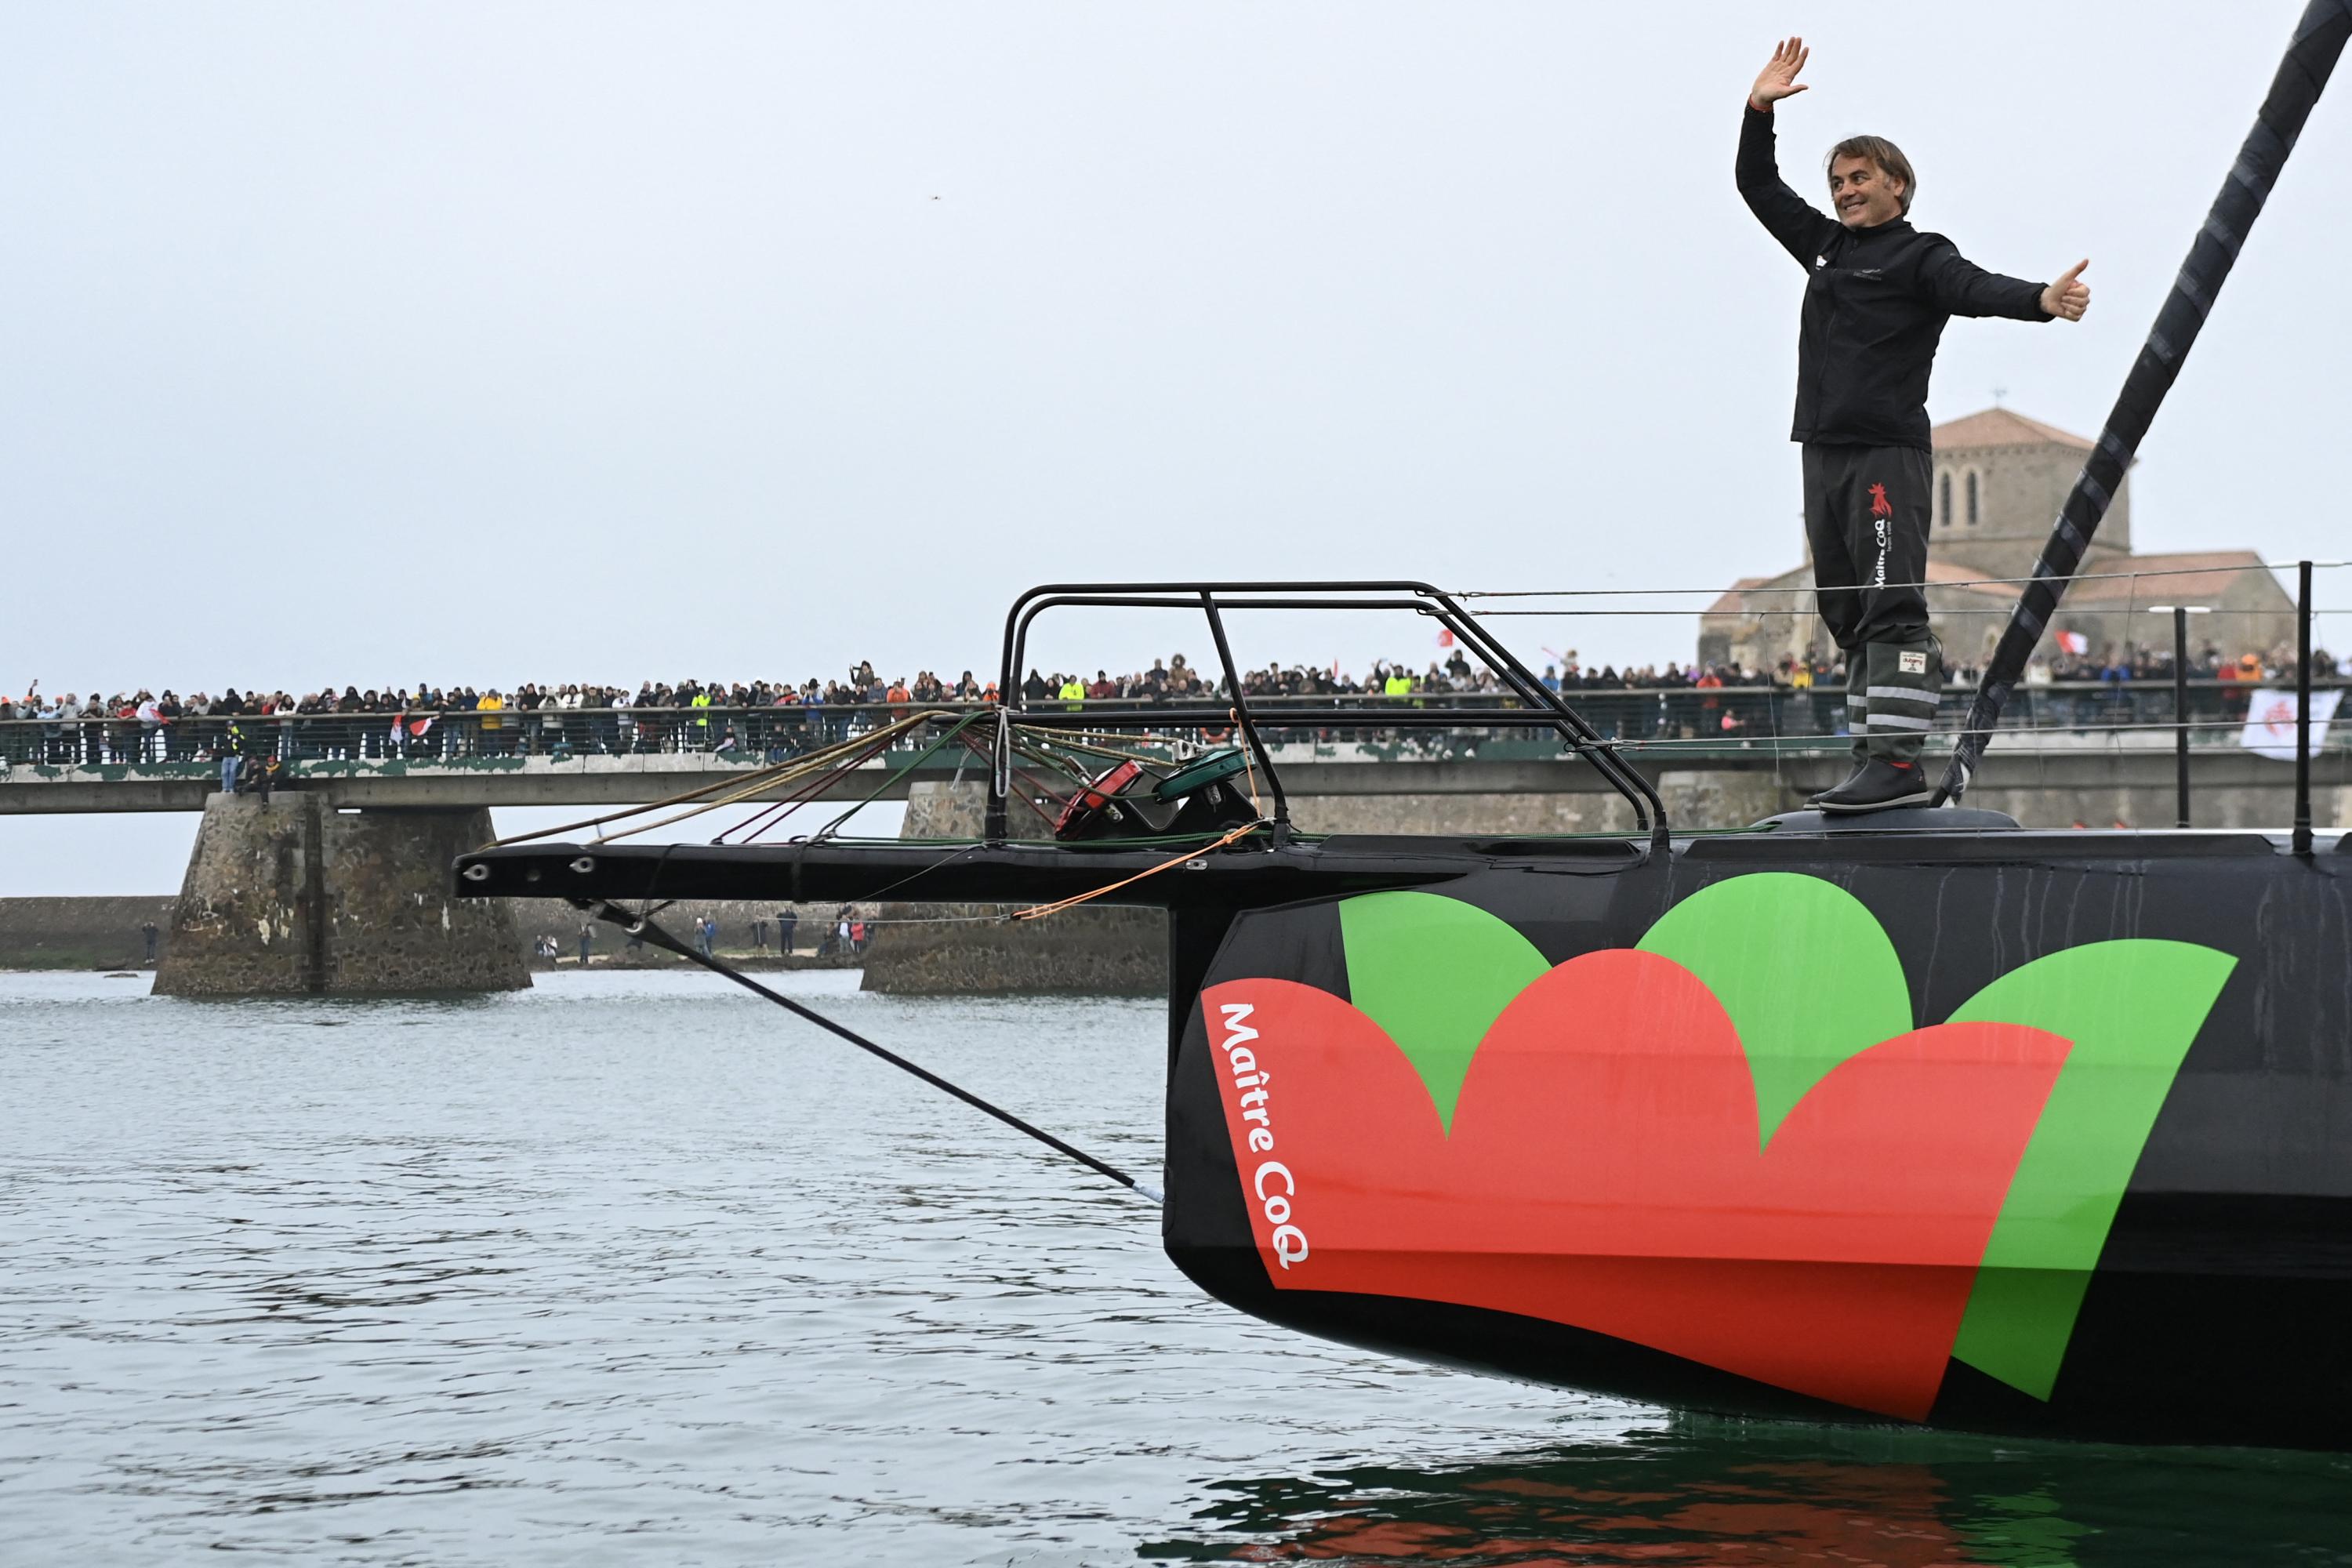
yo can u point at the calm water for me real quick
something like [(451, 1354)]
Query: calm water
[(632, 1270)]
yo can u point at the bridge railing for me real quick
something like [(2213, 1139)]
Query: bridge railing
[(1636, 717)]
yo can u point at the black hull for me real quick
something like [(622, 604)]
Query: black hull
[(2212, 1309)]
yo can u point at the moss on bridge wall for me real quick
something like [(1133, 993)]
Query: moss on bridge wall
[(296, 897)]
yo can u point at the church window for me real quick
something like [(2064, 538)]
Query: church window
[(1972, 498), (1944, 498)]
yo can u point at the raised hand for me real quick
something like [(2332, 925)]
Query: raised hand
[(2069, 296), (1778, 79)]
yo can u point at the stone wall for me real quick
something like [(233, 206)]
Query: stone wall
[(391, 923), (2111, 805), (1582, 811), (80, 933), (1704, 797), (241, 924), (295, 897), (936, 949), (967, 948), (2015, 783)]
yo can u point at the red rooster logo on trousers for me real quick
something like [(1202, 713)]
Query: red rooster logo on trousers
[(1879, 505)]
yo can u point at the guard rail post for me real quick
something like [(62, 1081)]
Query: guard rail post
[(2302, 707), (2181, 714)]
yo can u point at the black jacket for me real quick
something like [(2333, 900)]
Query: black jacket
[(1875, 303)]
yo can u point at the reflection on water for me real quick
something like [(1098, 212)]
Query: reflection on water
[(630, 1267), (1692, 1490)]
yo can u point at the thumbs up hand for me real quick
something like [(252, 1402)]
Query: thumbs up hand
[(2069, 296)]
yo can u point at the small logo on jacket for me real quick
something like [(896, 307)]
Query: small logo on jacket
[(1912, 663), (1879, 505)]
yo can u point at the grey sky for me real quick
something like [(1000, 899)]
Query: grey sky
[(502, 342)]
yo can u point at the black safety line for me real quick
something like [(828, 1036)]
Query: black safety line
[(2319, 39), (637, 926)]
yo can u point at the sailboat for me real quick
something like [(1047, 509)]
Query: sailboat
[(1919, 1117)]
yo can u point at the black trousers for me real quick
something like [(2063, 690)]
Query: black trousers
[(1867, 515)]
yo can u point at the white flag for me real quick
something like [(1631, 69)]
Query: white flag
[(2270, 723)]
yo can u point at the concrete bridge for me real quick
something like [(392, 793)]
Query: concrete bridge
[(340, 883), (2038, 777), (598, 758)]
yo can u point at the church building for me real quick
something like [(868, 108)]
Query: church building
[(1999, 479)]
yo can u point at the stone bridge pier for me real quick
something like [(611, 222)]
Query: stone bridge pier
[(297, 898)]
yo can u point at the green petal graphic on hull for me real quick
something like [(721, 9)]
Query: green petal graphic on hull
[(1434, 972), (1803, 967), (2131, 1008), (1809, 980)]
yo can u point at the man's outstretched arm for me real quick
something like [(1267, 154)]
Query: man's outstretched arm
[(1801, 228), (1961, 288)]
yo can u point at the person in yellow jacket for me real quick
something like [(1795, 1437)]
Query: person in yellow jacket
[(700, 703), (1074, 694), (489, 705)]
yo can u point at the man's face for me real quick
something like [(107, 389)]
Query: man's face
[(1863, 195)]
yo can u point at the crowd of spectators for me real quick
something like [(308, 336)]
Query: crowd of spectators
[(430, 722), (766, 718)]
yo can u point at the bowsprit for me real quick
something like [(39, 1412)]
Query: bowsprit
[(1920, 1116)]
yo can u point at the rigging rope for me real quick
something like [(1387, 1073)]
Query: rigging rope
[(642, 926), (1249, 760), (842, 753), (958, 728)]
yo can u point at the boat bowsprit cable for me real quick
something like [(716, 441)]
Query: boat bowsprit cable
[(2319, 39), (643, 926)]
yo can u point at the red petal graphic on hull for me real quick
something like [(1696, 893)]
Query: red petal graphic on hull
[(1603, 1171)]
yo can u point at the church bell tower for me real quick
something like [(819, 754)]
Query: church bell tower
[(2000, 480)]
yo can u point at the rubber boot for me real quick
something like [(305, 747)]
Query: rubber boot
[(1857, 702), (1881, 783), (1905, 680), (1857, 718)]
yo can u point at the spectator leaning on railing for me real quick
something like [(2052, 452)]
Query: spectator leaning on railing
[(762, 718)]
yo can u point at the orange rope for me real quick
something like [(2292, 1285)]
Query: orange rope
[(1040, 911)]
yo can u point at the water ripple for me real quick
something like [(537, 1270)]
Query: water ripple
[(628, 1269)]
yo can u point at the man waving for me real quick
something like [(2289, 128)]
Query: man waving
[(1877, 294)]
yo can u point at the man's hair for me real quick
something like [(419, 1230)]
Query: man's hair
[(1885, 154)]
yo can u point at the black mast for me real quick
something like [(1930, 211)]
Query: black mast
[(2319, 39)]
